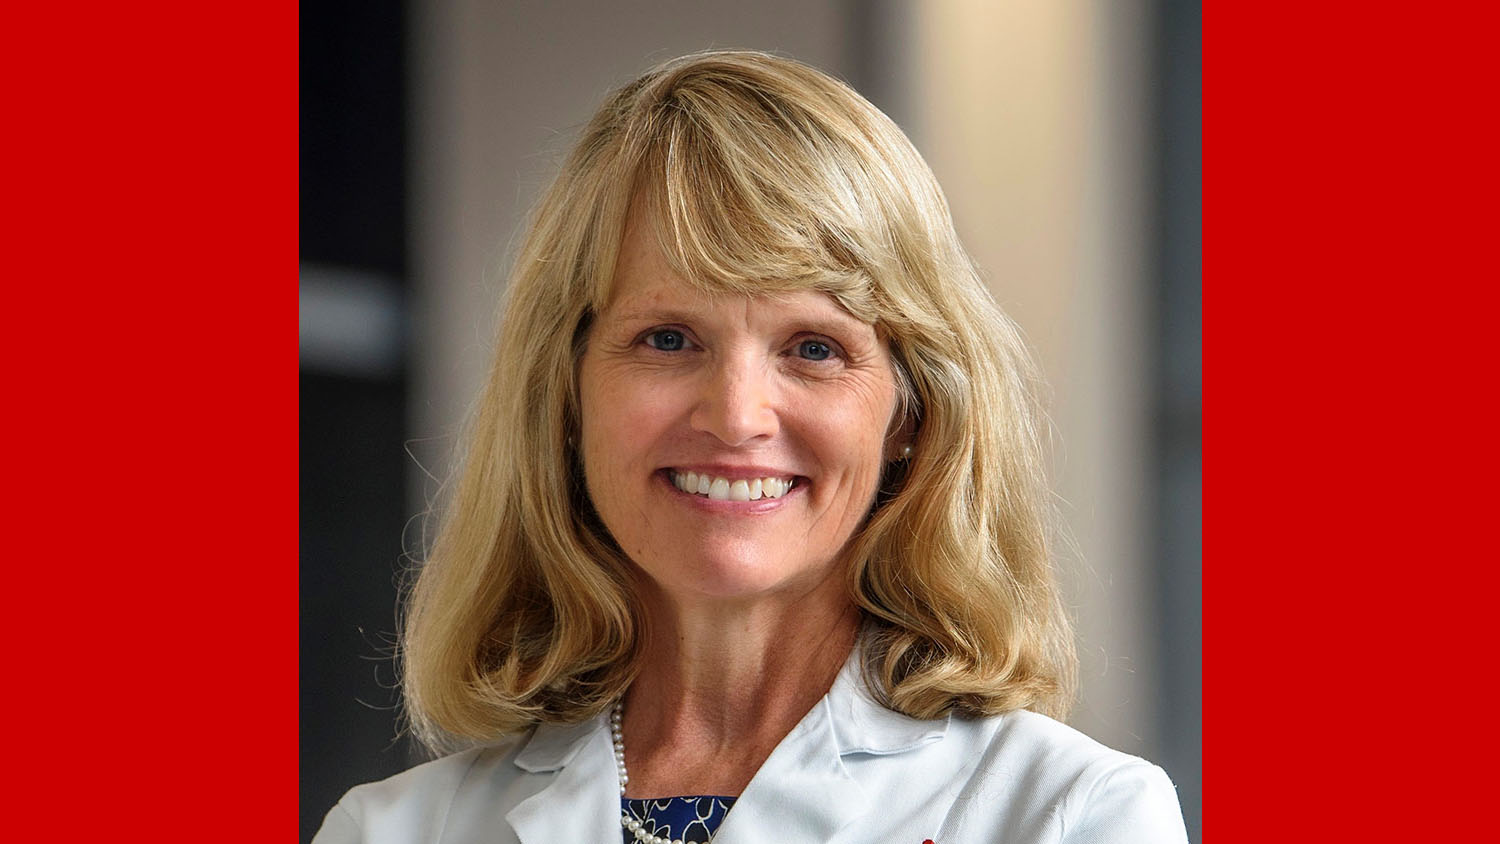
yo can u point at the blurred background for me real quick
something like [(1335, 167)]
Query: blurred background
[(1066, 135)]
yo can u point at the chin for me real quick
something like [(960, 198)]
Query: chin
[(740, 577)]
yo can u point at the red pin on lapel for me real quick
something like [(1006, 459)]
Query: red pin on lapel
[(927, 841)]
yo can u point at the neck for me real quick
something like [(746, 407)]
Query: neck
[(722, 683)]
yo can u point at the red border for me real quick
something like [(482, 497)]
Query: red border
[(151, 339), (1349, 181), (1349, 178)]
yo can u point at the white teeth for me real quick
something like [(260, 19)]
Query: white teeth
[(723, 489)]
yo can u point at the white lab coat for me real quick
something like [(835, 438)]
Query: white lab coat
[(851, 771)]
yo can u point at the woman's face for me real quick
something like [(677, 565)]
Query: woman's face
[(777, 408)]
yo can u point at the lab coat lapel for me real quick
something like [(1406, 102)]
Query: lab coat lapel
[(582, 803), (801, 793), (804, 792)]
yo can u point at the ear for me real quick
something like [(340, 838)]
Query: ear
[(901, 442)]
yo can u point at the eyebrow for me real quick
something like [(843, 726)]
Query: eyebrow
[(831, 318), (653, 314)]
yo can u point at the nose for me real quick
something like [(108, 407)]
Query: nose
[(736, 402)]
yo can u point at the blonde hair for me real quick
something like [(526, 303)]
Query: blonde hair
[(758, 174)]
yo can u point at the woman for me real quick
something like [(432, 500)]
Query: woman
[(753, 513)]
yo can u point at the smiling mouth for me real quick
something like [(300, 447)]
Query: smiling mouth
[(723, 489)]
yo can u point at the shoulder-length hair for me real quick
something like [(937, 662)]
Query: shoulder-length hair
[(758, 174)]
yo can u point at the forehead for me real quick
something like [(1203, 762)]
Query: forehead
[(645, 285), (641, 270)]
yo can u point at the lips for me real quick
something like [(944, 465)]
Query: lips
[(718, 488)]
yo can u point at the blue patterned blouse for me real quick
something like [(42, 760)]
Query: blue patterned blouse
[(691, 820)]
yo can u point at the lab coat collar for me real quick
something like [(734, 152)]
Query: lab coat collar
[(553, 746), (581, 803), (803, 785), (862, 725)]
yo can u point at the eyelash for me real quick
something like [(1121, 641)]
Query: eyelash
[(660, 331), (833, 350)]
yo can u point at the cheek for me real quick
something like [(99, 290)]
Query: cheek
[(871, 414), (624, 412), (851, 439), (620, 422), (600, 443)]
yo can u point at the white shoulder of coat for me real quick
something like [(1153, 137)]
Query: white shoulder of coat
[(413, 805), (1091, 791)]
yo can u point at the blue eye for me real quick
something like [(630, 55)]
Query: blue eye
[(667, 341), (814, 350)]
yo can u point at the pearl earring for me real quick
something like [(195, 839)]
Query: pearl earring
[(906, 452)]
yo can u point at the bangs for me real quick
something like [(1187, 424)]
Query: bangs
[(750, 195)]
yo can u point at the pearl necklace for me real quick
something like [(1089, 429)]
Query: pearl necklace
[(616, 717)]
